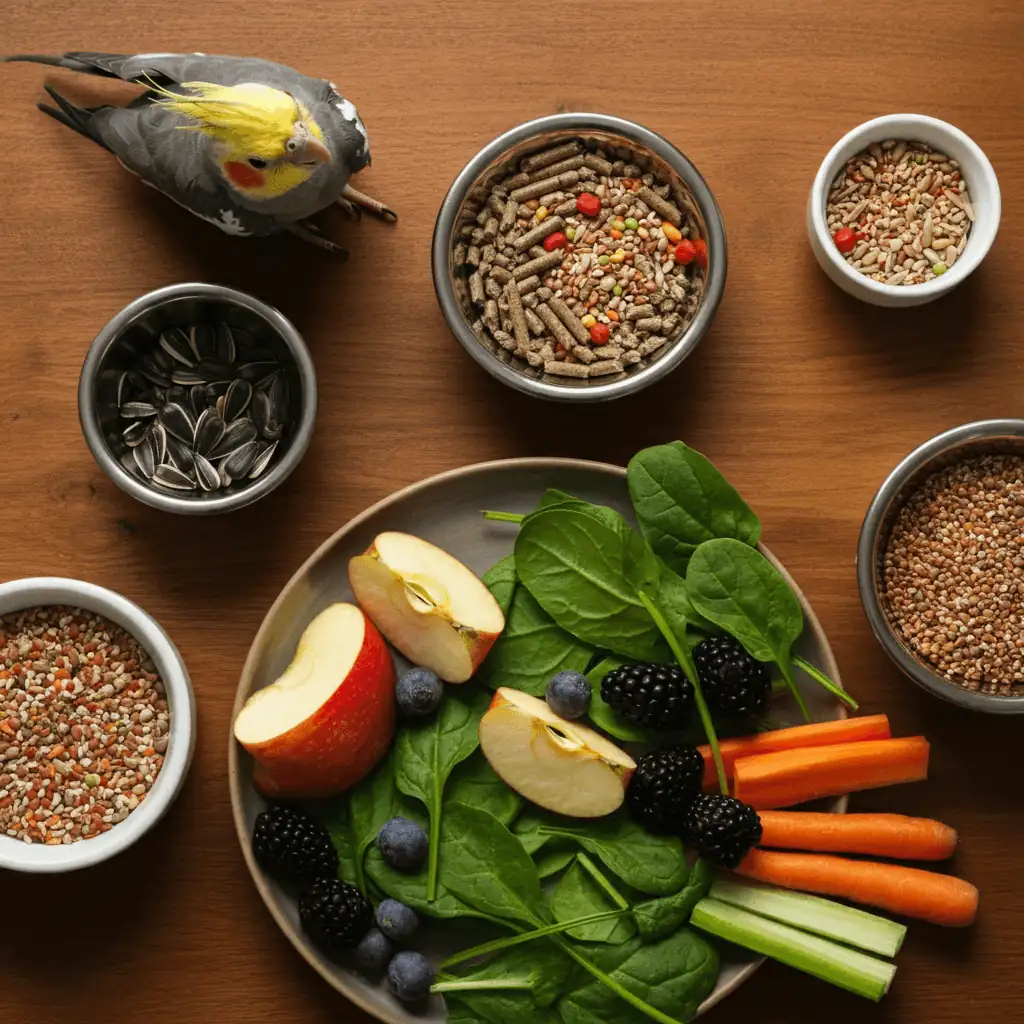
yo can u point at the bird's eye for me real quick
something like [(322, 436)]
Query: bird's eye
[(291, 145), (257, 163)]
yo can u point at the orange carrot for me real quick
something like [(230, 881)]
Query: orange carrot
[(927, 895), (793, 776), (880, 835), (818, 734)]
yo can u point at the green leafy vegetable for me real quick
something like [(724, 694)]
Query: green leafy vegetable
[(540, 971), (579, 895), (673, 976), (425, 755), (680, 613), (487, 867), (551, 859), (739, 590), (580, 572), (681, 501), (655, 919), (333, 814), (825, 683), (653, 864), (475, 783), (374, 802), (501, 581), (528, 830)]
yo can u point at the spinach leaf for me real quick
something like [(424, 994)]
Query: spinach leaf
[(487, 867), (334, 816), (499, 1007), (540, 970), (528, 830), (660, 917), (583, 574), (678, 609), (681, 500), (372, 803), (476, 784), (501, 581), (739, 590), (652, 864), (578, 895), (603, 715), (531, 649), (425, 755), (551, 859), (674, 976)]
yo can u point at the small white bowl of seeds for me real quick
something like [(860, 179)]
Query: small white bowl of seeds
[(97, 724), (902, 209)]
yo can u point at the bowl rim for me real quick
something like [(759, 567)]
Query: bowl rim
[(875, 130), (870, 541), (87, 405), (17, 595), (235, 753), (568, 123)]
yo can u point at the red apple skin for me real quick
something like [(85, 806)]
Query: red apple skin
[(343, 740)]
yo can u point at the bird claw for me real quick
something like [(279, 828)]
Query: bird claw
[(309, 232), (350, 209), (354, 199)]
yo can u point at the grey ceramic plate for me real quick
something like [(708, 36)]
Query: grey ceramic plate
[(445, 510)]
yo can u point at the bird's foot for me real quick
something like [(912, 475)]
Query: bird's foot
[(353, 201), (309, 232)]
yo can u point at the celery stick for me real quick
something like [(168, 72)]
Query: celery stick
[(839, 965), (813, 914)]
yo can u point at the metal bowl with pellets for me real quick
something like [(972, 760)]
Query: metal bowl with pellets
[(255, 147)]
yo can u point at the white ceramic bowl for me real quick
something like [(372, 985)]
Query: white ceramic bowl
[(982, 185), (51, 590)]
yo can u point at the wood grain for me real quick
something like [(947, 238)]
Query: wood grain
[(804, 397)]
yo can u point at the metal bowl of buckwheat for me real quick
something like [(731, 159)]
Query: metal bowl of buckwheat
[(579, 257)]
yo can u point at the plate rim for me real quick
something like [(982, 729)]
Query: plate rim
[(245, 681)]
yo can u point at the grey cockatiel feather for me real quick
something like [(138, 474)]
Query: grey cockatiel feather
[(144, 138)]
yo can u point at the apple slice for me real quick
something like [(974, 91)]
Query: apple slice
[(563, 766), (330, 717), (427, 603)]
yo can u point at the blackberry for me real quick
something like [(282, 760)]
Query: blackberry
[(664, 785), (292, 846), (735, 685), (722, 828), (654, 696), (335, 915)]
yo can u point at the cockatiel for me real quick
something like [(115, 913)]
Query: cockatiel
[(251, 146)]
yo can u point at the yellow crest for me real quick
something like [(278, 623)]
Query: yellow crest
[(252, 118)]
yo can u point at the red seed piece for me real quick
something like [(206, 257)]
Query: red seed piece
[(588, 204)]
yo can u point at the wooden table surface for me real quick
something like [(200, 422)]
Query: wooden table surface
[(804, 397)]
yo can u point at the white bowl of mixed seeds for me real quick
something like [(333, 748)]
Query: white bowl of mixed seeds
[(902, 210), (940, 566), (579, 257), (97, 724)]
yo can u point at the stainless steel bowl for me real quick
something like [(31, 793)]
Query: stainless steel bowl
[(137, 327), (490, 164), (980, 438)]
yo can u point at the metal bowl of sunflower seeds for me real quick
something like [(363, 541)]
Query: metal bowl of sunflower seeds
[(579, 257), (198, 399)]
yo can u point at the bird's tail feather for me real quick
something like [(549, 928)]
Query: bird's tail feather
[(76, 118), (44, 58)]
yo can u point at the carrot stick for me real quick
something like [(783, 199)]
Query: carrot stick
[(880, 835), (818, 734), (926, 895), (794, 776)]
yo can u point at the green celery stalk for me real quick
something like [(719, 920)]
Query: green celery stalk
[(839, 965), (813, 914)]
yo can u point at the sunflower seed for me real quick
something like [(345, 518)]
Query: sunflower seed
[(178, 422), (187, 378), (197, 398), (214, 369), (173, 478), (259, 410), (137, 410), (240, 432), (279, 395), (272, 430), (180, 455), (174, 341), (175, 394), (209, 430), (145, 456), (225, 478), (123, 387), (215, 390), (207, 473), (256, 371), (262, 461), (219, 406), (225, 348), (240, 461), (202, 341), (236, 399), (158, 359), (264, 382), (155, 376), (135, 432)]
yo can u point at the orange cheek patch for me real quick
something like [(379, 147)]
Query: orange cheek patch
[(243, 175)]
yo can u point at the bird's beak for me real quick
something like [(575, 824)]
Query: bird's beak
[(313, 151)]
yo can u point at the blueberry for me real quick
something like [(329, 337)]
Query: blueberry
[(397, 921), (410, 976), (373, 954), (568, 694), (403, 844), (419, 693)]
